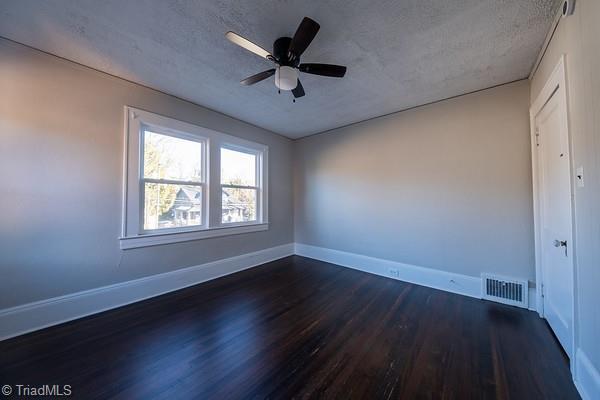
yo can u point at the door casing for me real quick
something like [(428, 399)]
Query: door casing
[(555, 85)]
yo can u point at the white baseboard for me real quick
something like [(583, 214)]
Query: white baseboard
[(41, 314), (587, 379), (29, 317), (433, 278)]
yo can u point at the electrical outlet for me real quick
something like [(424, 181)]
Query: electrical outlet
[(394, 272)]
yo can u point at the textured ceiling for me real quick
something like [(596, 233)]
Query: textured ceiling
[(399, 53)]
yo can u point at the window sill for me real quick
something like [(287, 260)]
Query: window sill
[(158, 239)]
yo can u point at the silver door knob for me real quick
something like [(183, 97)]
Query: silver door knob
[(561, 243)]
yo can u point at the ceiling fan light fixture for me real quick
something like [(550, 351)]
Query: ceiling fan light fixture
[(286, 78), (286, 57)]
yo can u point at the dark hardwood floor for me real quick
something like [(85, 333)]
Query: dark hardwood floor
[(298, 328)]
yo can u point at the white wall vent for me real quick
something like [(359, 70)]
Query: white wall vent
[(514, 292)]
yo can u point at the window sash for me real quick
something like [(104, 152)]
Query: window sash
[(258, 179), (143, 180), (178, 135), (225, 185), (258, 160), (258, 213), (172, 182), (202, 226)]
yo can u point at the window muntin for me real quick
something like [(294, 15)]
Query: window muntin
[(240, 190), (172, 181)]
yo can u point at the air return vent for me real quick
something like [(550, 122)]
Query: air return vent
[(505, 290)]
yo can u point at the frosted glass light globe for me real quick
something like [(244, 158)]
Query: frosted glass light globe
[(286, 78)]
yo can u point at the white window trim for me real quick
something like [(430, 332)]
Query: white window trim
[(133, 234), (176, 237)]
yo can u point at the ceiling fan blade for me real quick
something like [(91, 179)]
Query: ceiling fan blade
[(305, 33), (298, 91), (336, 71), (258, 77), (248, 45)]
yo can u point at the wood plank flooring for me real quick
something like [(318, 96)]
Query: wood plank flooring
[(298, 328)]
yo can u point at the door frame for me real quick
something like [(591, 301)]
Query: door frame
[(555, 85)]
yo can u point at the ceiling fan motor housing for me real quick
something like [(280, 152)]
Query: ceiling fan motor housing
[(281, 51)]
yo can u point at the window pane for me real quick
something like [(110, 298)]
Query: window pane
[(238, 168), (167, 157), (171, 206), (238, 205)]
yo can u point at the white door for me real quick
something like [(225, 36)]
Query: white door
[(554, 194)]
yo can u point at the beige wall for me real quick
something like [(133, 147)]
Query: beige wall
[(445, 186), (578, 37), (61, 147)]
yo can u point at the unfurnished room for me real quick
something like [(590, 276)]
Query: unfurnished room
[(286, 199)]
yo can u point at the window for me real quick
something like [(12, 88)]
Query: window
[(239, 186), (173, 181), (184, 182)]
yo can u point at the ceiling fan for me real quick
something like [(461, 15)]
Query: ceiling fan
[(286, 57)]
